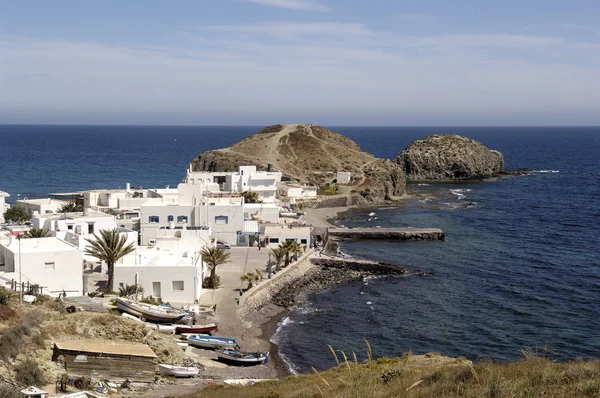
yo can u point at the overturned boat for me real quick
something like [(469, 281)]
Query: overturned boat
[(211, 342), (149, 312), (178, 371), (243, 358)]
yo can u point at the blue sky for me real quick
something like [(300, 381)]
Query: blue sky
[(334, 62)]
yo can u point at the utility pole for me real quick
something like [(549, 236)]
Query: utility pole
[(20, 273)]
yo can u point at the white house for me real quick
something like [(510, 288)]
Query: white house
[(274, 235), (3, 205), (343, 177), (262, 212), (247, 178), (51, 263), (172, 277), (298, 191), (41, 206)]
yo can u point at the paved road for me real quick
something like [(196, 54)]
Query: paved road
[(242, 260)]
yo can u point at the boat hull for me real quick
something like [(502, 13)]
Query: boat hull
[(178, 371), (148, 315), (242, 358), (196, 329), (211, 343)]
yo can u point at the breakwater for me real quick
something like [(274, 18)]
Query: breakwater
[(387, 233)]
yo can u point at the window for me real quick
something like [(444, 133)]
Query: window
[(153, 219), (91, 228), (221, 220), (274, 240), (178, 286), (182, 219), (49, 266), (303, 241), (70, 227), (170, 218)]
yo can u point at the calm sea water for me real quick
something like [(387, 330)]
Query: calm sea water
[(519, 266)]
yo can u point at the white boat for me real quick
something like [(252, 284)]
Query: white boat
[(162, 328), (148, 312), (243, 358), (371, 214), (178, 371), (203, 341), (183, 345), (132, 317)]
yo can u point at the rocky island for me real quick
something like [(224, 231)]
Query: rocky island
[(449, 157)]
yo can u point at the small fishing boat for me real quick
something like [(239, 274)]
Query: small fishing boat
[(202, 341), (178, 371), (243, 358), (148, 312), (162, 327), (28, 298), (196, 329), (371, 214)]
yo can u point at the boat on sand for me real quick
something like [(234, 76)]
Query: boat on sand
[(196, 329), (178, 371), (203, 341), (243, 358), (148, 312)]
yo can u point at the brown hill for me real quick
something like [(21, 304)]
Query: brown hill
[(310, 154)]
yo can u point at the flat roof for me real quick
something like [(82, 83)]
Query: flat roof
[(42, 201), (130, 349), (283, 229), (36, 245), (261, 205)]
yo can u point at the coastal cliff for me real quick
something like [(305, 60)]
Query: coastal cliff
[(449, 157), (312, 155)]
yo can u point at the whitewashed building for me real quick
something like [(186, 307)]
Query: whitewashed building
[(174, 277), (262, 212), (276, 234), (3, 205), (41, 206), (247, 178), (51, 263), (298, 191), (343, 177)]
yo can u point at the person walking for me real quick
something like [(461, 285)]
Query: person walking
[(258, 246)]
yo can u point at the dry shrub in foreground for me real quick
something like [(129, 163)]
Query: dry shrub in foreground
[(431, 375), (14, 338)]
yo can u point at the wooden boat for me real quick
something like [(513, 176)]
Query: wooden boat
[(178, 371), (129, 316), (162, 327), (196, 329), (243, 358), (202, 341), (148, 312)]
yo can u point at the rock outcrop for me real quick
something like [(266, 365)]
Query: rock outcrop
[(449, 157), (313, 155)]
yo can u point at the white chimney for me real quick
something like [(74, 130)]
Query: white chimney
[(128, 187)]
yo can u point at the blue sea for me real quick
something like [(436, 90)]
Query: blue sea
[(520, 266)]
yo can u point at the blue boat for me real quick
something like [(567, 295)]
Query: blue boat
[(204, 341)]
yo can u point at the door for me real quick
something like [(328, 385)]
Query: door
[(156, 290)]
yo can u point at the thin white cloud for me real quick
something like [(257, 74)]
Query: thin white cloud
[(306, 5), (345, 73)]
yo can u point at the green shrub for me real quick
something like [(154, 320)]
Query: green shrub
[(14, 338), (207, 283), (4, 296), (28, 373), (151, 300)]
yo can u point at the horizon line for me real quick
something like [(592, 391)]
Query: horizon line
[(325, 125)]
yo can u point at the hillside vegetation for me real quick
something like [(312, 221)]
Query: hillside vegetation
[(430, 375)]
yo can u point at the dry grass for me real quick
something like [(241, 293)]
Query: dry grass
[(430, 375)]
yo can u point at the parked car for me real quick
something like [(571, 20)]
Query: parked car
[(221, 243)]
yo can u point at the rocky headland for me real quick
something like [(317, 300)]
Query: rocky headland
[(312, 155), (449, 157)]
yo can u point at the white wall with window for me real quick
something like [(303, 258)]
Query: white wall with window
[(279, 234), (53, 264), (176, 279)]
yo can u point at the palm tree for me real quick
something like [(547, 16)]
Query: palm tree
[(37, 233), (214, 256), (287, 247), (251, 278), (250, 197), (70, 207), (110, 248), (130, 290), (278, 255), (295, 249)]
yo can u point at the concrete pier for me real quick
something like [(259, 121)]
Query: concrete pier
[(387, 233)]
